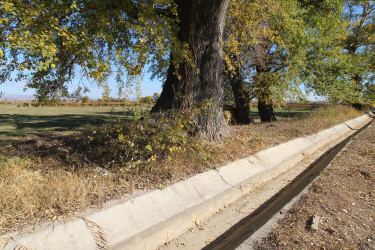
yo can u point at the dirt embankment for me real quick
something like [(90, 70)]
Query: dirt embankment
[(338, 212)]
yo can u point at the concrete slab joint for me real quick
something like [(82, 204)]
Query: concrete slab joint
[(147, 221)]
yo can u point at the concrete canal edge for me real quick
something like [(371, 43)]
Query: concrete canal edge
[(148, 220)]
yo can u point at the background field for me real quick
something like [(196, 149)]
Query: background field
[(30, 122), (17, 123)]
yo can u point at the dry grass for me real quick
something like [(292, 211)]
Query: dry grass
[(30, 194), (343, 197), (38, 187), (247, 140)]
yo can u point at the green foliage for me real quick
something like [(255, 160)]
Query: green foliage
[(267, 43), (369, 93), (146, 99), (50, 43), (135, 144), (343, 71), (113, 99), (278, 50), (85, 100), (359, 46)]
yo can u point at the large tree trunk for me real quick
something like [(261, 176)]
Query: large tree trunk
[(358, 81), (166, 98), (266, 111), (199, 87), (241, 97), (263, 92)]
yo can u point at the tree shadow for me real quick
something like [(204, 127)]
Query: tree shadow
[(50, 137), (292, 113), (284, 113), (39, 125)]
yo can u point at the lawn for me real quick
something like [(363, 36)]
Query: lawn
[(31, 122)]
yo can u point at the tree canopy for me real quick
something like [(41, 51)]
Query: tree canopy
[(274, 46), (359, 45), (277, 51), (51, 42)]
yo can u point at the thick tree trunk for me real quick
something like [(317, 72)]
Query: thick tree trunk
[(166, 98), (241, 98), (199, 87), (266, 111), (264, 95), (358, 81)]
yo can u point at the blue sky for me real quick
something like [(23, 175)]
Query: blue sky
[(15, 90)]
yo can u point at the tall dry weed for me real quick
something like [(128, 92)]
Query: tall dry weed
[(27, 192)]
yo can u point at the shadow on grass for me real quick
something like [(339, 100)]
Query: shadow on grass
[(39, 125), (292, 113), (127, 113), (284, 113), (42, 136)]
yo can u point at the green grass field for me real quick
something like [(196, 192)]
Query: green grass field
[(283, 113), (16, 122), (31, 122)]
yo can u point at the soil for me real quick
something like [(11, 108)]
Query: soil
[(338, 211)]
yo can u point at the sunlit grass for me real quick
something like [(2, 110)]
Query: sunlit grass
[(32, 122)]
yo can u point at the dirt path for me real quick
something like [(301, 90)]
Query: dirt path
[(338, 211)]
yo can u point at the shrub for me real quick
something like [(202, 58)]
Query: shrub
[(138, 143), (85, 100), (146, 99)]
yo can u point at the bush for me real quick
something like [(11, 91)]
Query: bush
[(137, 143), (85, 100), (146, 99)]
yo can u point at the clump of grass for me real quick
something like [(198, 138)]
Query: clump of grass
[(326, 117), (28, 192), (249, 139), (102, 163), (331, 115)]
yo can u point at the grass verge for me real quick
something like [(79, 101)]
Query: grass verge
[(56, 178)]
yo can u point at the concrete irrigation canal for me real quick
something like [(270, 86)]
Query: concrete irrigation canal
[(245, 228), (259, 186)]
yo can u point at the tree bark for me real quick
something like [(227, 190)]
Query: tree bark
[(199, 87), (241, 98), (266, 111), (263, 94), (358, 81), (263, 83), (165, 101)]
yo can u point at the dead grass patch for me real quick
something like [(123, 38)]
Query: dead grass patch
[(57, 178)]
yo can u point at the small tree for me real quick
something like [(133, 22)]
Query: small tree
[(85, 100), (146, 99)]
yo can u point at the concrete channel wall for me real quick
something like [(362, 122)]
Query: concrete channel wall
[(150, 219)]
